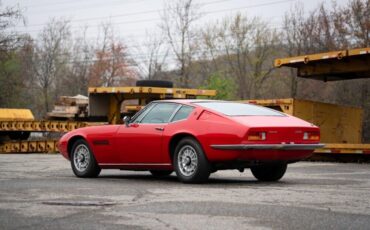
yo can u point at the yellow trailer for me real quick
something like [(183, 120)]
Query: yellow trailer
[(340, 126), (106, 102), (330, 66)]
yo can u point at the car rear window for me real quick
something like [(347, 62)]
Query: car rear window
[(239, 109), (183, 113)]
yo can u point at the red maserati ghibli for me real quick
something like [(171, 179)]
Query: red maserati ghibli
[(194, 138)]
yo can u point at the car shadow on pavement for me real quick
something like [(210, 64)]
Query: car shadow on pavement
[(139, 177), (173, 179)]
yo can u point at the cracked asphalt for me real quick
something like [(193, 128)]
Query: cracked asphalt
[(40, 192)]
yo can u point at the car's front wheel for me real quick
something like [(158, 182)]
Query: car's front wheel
[(83, 161), (269, 172), (190, 163)]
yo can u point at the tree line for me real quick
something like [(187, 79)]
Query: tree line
[(233, 54)]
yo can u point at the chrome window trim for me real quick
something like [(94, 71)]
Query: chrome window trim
[(171, 120), (144, 112), (174, 113), (278, 113)]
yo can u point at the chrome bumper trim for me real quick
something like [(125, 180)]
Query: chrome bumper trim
[(269, 146)]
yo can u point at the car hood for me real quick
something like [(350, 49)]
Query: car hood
[(271, 121)]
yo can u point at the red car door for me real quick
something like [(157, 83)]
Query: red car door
[(141, 141)]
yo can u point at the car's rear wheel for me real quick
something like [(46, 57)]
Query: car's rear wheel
[(190, 163), (160, 173), (83, 161), (269, 172)]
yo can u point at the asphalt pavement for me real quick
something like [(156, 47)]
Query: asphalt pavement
[(41, 192)]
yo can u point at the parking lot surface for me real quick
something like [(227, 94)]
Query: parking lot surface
[(40, 192)]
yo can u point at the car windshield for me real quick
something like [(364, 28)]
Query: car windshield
[(239, 109)]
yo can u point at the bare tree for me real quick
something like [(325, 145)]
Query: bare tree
[(151, 56), (178, 21), (304, 35), (357, 19), (10, 78), (112, 65), (9, 17), (82, 54), (247, 45), (51, 57), (295, 37)]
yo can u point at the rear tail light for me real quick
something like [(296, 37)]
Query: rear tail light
[(257, 136), (312, 136)]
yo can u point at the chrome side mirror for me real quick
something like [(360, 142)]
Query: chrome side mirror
[(126, 120)]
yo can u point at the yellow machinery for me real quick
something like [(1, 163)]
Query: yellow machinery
[(37, 146), (10, 119), (16, 115), (105, 105), (44, 126), (10, 127)]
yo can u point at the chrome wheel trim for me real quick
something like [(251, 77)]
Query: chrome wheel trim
[(81, 157), (187, 160)]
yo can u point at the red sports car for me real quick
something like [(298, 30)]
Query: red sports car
[(194, 138)]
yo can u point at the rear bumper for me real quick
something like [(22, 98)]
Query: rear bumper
[(268, 147)]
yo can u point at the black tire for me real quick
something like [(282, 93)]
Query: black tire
[(269, 172), (160, 173), (19, 135), (154, 83), (201, 171), (92, 169)]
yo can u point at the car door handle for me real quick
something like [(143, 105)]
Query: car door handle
[(159, 128)]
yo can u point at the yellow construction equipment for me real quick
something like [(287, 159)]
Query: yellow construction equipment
[(16, 115), (44, 126), (39, 146)]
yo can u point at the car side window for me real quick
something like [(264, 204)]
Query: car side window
[(160, 113), (183, 113), (137, 117)]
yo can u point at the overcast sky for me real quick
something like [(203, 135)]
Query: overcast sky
[(132, 18)]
